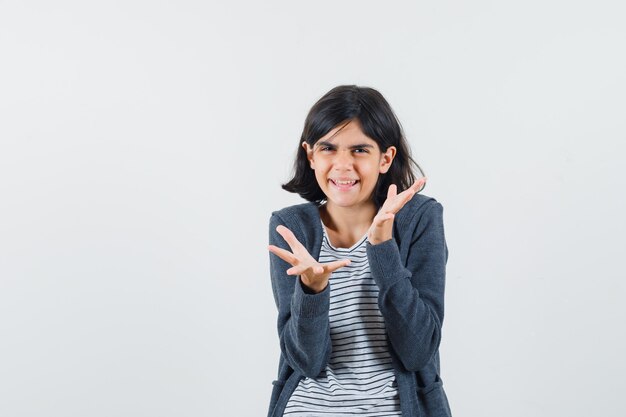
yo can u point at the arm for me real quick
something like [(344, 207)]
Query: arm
[(303, 323), (411, 297)]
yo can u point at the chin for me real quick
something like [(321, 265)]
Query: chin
[(346, 203)]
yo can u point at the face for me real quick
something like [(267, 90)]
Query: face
[(347, 164)]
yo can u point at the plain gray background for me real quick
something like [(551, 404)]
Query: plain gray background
[(142, 149)]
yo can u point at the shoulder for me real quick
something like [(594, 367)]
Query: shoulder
[(296, 212), (303, 220), (304, 217), (417, 206), (419, 209)]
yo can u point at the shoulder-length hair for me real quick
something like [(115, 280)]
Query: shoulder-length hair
[(378, 121)]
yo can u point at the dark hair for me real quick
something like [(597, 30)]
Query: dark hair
[(378, 121)]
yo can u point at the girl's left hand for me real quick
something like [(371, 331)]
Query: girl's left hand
[(382, 225)]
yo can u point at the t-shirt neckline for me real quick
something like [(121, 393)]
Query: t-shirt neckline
[(351, 248)]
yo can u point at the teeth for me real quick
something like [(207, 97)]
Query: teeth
[(344, 182)]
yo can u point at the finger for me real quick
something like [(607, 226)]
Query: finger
[(283, 254), (423, 184), (416, 186), (289, 237), (394, 205), (392, 191), (419, 184), (296, 270), (300, 269), (335, 265), (396, 201), (411, 191)]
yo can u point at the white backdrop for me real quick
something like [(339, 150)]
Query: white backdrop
[(142, 148)]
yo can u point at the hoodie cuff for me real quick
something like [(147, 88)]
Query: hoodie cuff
[(385, 263), (309, 305)]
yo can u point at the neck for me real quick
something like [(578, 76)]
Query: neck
[(348, 221)]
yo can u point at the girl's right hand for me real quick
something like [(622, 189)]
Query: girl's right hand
[(314, 275)]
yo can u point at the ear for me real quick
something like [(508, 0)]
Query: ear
[(386, 159), (309, 154)]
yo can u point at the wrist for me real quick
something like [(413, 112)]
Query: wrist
[(376, 241), (310, 287)]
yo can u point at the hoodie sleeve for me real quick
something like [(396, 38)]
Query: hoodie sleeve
[(303, 323), (411, 296)]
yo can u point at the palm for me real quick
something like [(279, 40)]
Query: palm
[(381, 228), (395, 201), (301, 260)]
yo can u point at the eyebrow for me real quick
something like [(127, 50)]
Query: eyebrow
[(360, 145)]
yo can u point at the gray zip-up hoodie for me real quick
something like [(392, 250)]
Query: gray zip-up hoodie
[(409, 270)]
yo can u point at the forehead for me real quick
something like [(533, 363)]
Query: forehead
[(347, 134)]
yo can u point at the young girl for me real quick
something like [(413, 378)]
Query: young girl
[(358, 272)]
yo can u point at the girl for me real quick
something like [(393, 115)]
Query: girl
[(358, 272)]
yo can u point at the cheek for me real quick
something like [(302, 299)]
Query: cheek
[(320, 176), (372, 172)]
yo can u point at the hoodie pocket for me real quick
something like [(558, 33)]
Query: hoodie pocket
[(428, 388), (433, 401)]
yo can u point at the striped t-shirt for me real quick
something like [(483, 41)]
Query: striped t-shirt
[(359, 378)]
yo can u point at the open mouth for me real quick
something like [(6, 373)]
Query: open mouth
[(343, 185)]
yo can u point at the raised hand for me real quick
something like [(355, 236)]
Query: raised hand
[(382, 225), (314, 275)]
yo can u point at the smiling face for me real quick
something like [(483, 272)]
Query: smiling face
[(347, 164)]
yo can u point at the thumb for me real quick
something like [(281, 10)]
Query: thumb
[(384, 219)]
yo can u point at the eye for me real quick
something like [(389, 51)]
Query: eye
[(326, 148), (361, 149)]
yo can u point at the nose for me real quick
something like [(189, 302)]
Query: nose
[(343, 158)]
